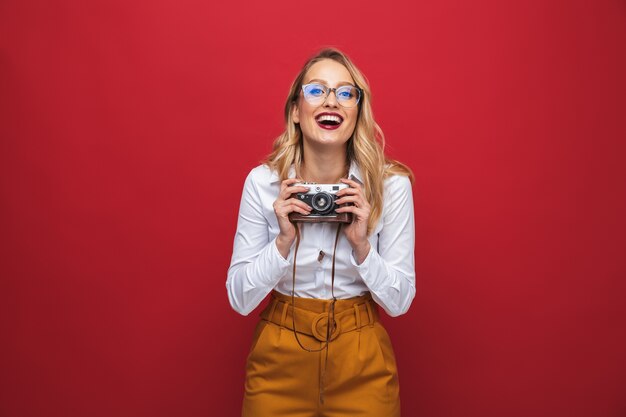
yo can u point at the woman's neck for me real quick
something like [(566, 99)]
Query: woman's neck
[(324, 168)]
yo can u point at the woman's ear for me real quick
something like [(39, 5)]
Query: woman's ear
[(295, 113)]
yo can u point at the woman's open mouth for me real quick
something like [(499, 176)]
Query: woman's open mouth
[(329, 121)]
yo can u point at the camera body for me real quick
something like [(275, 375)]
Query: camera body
[(321, 198)]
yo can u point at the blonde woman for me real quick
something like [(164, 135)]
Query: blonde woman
[(320, 349)]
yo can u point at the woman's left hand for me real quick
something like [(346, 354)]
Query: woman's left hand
[(356, 232)]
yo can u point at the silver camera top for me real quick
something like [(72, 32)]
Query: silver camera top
[(315, 188)]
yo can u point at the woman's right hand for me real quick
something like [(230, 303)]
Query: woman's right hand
[(284, 205)]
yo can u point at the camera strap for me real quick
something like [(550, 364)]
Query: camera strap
[(331, 324)]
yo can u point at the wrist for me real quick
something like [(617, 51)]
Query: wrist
[(283, 244), (361, 251)]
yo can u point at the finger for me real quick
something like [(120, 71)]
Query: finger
[(291, 208), (297, 188), (347, 191), (287, 206), (291, 181), (297, 209), (356, 199), (287, 192), (350, 191), (361, 213), (351, 183), (298, 203), (288, 182)]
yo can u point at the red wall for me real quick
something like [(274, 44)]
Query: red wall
[(127, 128)]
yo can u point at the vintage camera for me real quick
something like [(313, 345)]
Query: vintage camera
[(321, 198)]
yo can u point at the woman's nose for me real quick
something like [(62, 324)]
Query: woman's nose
[(331, 99)]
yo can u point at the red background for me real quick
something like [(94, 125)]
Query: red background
[(127, 129)]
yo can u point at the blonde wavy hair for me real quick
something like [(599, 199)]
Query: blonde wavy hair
[(365, 147)]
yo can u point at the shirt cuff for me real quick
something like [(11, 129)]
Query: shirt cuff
[(363, 267), (371, 270), (277, 256)]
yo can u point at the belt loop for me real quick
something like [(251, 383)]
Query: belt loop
[(357, 315), (272, 309), (370, 313), (283, 316)]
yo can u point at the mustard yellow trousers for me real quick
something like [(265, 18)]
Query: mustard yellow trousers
[(355, 376)]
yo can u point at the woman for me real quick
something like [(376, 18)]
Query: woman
[(319, 349)]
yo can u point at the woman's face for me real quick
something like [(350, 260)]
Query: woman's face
[(326, 123)]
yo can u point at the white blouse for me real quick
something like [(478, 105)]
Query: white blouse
[(257, 266)]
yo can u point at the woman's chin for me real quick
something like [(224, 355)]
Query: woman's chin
[(329, 141)]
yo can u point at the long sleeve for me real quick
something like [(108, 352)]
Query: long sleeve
[(256, 265), (389, 268)]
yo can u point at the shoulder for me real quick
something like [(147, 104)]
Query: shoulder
[(263, 183), (261, 176), (397, 183), (261, 173), (397, 194)]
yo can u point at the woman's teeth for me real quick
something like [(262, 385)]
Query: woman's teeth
[(329, 119)]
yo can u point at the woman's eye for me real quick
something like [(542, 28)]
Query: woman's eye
[(316, 91), (347, 93)]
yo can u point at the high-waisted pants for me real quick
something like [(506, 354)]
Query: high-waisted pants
[(356, 377)]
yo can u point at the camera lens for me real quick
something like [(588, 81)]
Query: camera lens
[(322, 202)]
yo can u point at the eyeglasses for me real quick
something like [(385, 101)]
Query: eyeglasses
[(316, 94)]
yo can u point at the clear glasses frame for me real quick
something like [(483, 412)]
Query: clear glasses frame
[(339, 94)]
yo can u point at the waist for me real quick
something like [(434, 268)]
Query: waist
[(318, 287), (310, 316)]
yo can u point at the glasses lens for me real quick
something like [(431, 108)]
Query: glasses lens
[(314, 93), (348, 96)]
